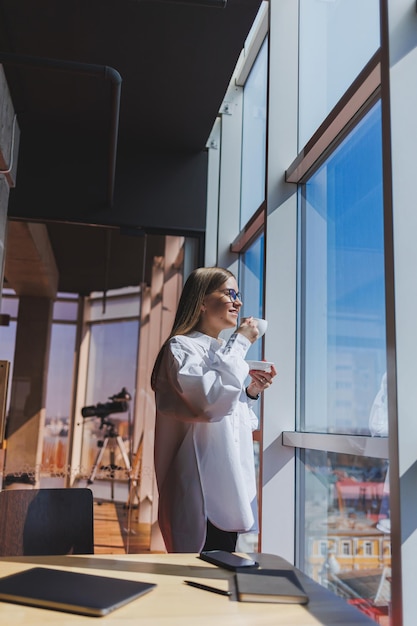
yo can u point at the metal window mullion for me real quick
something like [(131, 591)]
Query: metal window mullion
[(355, 445)]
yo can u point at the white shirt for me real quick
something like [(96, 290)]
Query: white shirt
[(204, 458)]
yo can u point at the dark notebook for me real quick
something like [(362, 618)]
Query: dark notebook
[(62, 590), (270, 586)]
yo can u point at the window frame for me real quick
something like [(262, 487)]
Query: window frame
[(357, 101), (361, 96)]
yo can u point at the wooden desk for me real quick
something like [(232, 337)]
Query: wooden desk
[(175, 604)]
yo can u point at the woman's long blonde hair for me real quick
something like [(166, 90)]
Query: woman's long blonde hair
[(201, 282)]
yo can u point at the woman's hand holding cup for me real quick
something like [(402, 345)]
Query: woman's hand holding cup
[(252, 328), (262, 326), (249, 329)]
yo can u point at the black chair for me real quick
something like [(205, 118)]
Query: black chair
[(36, 522)]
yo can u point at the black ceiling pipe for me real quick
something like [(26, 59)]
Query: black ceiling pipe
[(89, 69)]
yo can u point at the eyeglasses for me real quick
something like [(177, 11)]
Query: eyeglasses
[(233, 295)]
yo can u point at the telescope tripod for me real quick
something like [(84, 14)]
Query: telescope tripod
[(113, 441)]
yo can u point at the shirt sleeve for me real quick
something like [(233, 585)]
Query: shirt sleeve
[(209, 381), (254, 420)]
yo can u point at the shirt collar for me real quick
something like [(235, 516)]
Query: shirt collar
[(205, 340)]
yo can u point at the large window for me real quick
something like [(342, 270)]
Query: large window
[(343, 343), (345, 498), (60, 386), (339, 229), (346, 527), (337, 39), (254, 137), (9, 306), (251, 281), (112, 364), (251, 276)]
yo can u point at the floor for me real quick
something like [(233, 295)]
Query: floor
[(116, 526), (117, 532)]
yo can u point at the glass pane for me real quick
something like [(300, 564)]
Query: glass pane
[(343, 332), (114, 308), (9, 306), (111, 367), (65, 310), (249, 542), (67, 295), (7, 346), (338, 38), (58, 399), (346, 520), (251, 285), (254, 138)]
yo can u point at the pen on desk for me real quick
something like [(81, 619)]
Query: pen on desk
[(207, 588)]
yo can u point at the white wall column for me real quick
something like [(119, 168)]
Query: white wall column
[(280, 288)]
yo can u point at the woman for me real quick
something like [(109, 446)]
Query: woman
[(203, 434)]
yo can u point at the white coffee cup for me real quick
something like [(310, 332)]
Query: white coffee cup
[(262, 326)]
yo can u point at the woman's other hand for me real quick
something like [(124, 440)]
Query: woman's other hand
[(260, 380)]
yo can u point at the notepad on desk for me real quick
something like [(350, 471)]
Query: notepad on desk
[(61, 590), (280, 586)]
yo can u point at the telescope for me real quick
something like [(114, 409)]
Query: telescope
[(119, 403)]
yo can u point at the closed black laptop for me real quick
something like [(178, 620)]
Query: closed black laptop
[(71, 592)]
